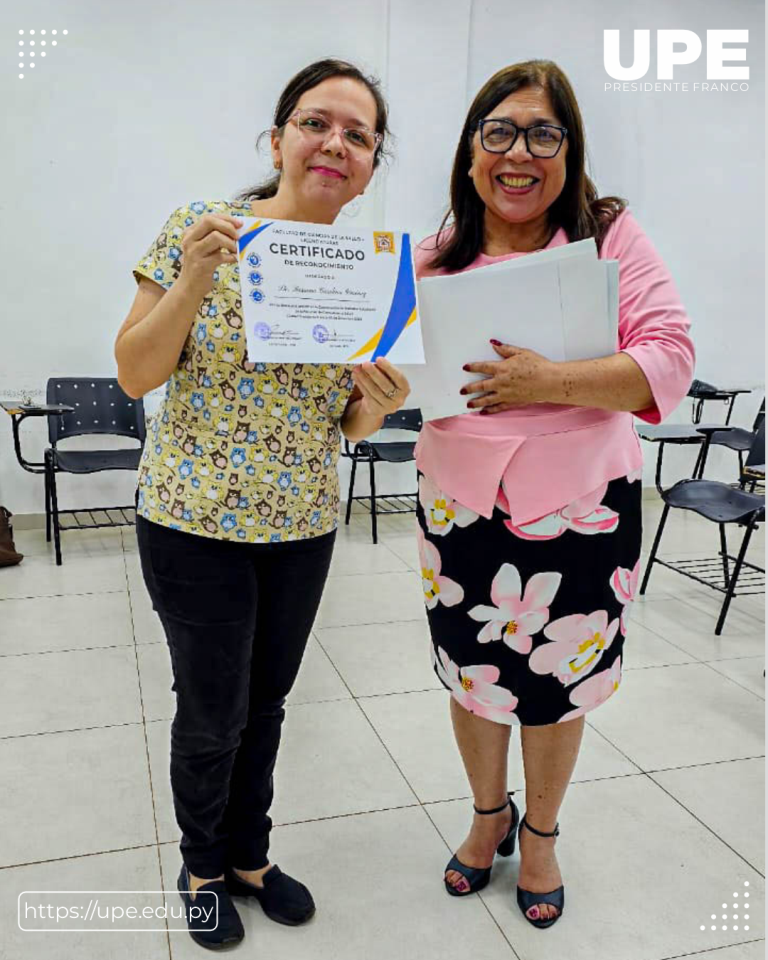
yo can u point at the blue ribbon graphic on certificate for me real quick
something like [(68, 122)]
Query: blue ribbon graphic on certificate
[(319, 294)]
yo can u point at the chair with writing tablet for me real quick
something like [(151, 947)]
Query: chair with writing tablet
[(98, 406), (373, 452), (719, 503)]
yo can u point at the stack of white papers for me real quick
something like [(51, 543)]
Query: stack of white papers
[(562, 303)]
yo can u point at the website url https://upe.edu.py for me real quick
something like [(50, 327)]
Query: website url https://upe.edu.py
[(60, 911)]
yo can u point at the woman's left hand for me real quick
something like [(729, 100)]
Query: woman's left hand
[(522, 377), (383, 387)]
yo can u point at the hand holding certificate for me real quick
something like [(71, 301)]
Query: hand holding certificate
[(555, 305), (318, 294)]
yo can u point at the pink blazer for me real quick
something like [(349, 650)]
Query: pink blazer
[(546, 456)]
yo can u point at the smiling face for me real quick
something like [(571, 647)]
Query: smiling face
[(326, 169), (515, 186)]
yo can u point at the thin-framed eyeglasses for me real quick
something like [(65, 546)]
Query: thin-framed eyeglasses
[(541, 139), (310, 123)]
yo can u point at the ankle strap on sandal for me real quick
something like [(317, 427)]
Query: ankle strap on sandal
[(496, 809), (539, 833)]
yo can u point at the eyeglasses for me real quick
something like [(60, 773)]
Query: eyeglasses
[(541, 140), (318, 126)]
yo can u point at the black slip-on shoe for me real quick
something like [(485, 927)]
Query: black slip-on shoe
[(282, 898), (213, 921)]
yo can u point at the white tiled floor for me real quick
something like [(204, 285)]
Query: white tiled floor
[(663, 822)]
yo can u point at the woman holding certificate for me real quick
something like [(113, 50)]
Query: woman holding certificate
[(529, 512), (238, 492)]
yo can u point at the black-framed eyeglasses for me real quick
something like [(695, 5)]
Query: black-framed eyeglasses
[(541, 139)]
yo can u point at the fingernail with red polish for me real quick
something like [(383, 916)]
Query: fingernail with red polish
[(465, 367), (496, 343)]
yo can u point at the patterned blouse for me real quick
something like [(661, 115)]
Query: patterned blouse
[(238, 450)]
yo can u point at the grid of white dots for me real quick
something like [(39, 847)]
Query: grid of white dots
[(735, 915), (32, 43)]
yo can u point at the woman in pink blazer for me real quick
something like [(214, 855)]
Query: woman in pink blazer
[(529, 507)]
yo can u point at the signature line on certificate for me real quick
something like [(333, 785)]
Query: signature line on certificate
[(324, 299)]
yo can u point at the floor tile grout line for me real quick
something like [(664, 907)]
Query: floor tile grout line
[(146, 741), (56, 596), (706, 826), (398, 693), (710, 592), (77, 856), (367, 719), (56, 733), (683, 766), (370, 623), (663, 595), (659, 635), (43, 653), (613, 745), (666, 639), (707, 763), (387, 750), (703, 953), (703, 663), (425, 804), (521, 787), (732, 680), (480, 898)]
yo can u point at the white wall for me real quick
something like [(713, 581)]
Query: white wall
[(144, 107)]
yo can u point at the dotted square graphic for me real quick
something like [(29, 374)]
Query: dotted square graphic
[(23, 44), (734, 916)]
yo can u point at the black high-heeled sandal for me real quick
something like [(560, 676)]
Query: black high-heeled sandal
[(555, 898), (478, 877)]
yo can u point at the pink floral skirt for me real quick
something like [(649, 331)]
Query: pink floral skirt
[(528, 623)]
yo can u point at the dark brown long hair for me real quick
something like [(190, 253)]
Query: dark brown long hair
[(578, 209), (305, 80)]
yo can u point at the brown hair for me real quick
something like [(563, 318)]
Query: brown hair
[(577, 209), (305, 80)]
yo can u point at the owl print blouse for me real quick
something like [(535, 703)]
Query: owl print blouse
[(238, 450)]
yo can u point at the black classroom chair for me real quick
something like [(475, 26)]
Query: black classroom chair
[(373, 452), (722, 504), (100, 407)]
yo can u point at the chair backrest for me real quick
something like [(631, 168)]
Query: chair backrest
[(404, 420), (759, 418), (100, 405), (756, 453)]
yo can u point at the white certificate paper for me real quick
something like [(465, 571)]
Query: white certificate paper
[(319, 294), (562, 303)]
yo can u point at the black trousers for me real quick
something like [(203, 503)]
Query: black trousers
[(237, 618)]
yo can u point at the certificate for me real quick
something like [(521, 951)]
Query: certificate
[(313, 293), (562, 303)]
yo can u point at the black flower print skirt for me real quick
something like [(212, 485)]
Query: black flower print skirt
[(528, 623)]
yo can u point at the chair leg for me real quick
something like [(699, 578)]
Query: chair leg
[(351, 491), (654, 548), (374, 531), (47, 506), (724, 554), (55, 513), (699, 465), (751, 525)]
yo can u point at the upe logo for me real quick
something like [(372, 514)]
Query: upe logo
[(677, 48)]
